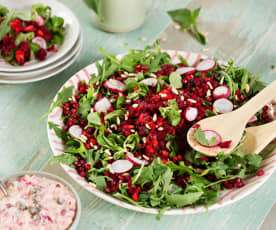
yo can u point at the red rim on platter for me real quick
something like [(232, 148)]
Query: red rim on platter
[(227, 197)]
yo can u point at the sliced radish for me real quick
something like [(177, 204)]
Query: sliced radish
[(135, 160), (103, 105), (115, 85), (40, 41), (75, 131), (209, 135), (121, 166), (149, 81), (221, 92), (186, 70), (191, 113), (223, 105), (39, 20), (252, 119), (206, 65)]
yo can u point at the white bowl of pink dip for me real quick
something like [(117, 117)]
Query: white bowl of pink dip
[(38, 200)]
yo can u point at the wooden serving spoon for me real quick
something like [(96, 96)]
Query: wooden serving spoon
[(258, 137), (231, 125)]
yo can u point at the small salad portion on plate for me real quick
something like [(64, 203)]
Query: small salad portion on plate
[(124, 128), (29, 36)]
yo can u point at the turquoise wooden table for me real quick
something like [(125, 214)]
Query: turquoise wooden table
[(243, 30)]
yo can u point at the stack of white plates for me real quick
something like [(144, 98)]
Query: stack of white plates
[(55, 61)]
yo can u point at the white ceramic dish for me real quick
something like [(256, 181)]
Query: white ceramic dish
[(39, 75), (72, 31), (227, 197), (49, 67), (55, 178)]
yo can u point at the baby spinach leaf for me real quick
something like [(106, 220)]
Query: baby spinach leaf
[(99, 181)]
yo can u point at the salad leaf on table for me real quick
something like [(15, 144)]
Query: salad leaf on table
[(187, 19)]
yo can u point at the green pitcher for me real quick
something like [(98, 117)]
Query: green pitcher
[(117, 15)]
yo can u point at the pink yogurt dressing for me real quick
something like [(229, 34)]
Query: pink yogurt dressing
[(36, 202)]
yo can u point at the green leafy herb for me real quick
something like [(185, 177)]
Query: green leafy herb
[(95, 6), (3, 11), (175, 80), (22, 37), (64, 158), (200, 137), (62, 134), (62, 96), (187, 19), (94, 119), (4, 26), (172, 112)]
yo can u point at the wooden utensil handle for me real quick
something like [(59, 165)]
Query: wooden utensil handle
[(257, 102)]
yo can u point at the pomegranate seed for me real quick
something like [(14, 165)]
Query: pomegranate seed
[(260, 173), (203, 159), (240, 184), (107, 190), (83, 174), (87, 166)]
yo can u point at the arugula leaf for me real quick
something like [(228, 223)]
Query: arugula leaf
[(175, 80), (113, 114), (180, 200), (62, 96), (84, 108), (59, 132), (172, 112), (64, 158), (94, 119), (131, 83), (119, 102), (187, 19)]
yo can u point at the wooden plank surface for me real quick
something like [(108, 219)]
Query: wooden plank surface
[(243, 30)]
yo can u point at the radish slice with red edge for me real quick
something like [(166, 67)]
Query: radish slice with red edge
[(186, 70), (252, 119), (75, 131), (103, 105), (149, 81), (191, 113), (223, 105), (209, 135), (40, 41), (135, 160), (115, 85), (221, 92), (39, 20), (121, 166), (206, 65)]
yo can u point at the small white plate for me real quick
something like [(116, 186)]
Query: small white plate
[(72, 31), (49, 67), (34, 76)]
